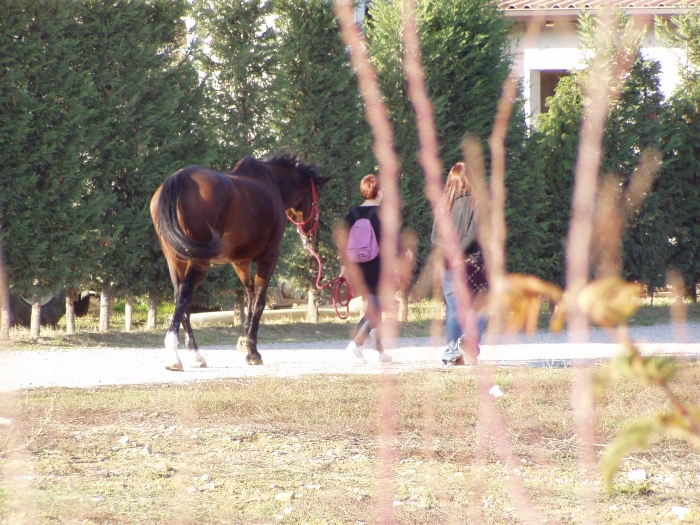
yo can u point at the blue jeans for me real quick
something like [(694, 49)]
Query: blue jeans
[(455, 324)]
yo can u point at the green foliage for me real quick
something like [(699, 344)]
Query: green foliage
[(48, 211), (683, 422), (637, 435), (555, 143), (680, 176), (634, 124), (526, 218), (653, 370), (146, 120), (234, 50), (680, 181)]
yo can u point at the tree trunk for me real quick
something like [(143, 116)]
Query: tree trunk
[(4, 317), (239, 308), (152, 321), (403, 306), (312, 312), (70, 311), (105, 307), (4, 301), (128, 312), (35, 323)]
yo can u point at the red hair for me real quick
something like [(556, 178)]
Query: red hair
[(369, 187)]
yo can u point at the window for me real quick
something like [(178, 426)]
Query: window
[(548, 83)]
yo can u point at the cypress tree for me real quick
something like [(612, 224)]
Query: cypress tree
[(48, 211), (635, 125), (556, 144), (147, 109), (320, 117), (234, 52), (464, 45), (527, 222), (632, 126), (680, 174)]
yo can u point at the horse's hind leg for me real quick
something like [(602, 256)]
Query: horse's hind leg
[(197, 358), (184, 294)]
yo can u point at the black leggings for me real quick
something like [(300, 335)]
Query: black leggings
[(371, 320)]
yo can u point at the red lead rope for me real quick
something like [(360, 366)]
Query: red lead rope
[(339, 283), (337, 291)]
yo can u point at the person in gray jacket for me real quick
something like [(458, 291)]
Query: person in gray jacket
[(462, 346)]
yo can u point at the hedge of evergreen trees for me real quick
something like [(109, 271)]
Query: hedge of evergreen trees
[(100, 101)]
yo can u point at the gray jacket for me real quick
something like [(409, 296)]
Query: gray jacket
[(464, 221)]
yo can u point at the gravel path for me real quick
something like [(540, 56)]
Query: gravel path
[(90, 367)]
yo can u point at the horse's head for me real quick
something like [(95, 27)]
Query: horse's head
[(303, 191), (305, 214)]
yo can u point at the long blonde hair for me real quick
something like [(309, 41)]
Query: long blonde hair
[(458, 183)]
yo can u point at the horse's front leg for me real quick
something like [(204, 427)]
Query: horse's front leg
[(243, 270), (263, 272), (253, 357)]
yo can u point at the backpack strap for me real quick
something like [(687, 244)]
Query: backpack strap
[(355, 214), (372, 212)]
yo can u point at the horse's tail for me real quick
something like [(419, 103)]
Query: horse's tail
[(169, 226)]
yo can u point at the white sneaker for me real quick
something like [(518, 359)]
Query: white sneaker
[(357, 352), (383, 357)]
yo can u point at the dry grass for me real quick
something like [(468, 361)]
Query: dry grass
[(236, 451)]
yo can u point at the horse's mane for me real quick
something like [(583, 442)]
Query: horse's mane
[(286, 159)]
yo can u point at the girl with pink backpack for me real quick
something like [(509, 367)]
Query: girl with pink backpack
[(361, 264)]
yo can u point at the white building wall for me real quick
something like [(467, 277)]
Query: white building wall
[(558, 48)]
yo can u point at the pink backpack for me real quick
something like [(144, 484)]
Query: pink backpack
[(362, 242)]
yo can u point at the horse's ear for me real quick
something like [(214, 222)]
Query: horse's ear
[(321, 181)]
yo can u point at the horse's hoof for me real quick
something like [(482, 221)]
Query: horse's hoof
[(198, 361), (242, 344), (175, 367), (254, 359)]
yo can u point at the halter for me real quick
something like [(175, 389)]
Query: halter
[(314, 215), (339, 282)]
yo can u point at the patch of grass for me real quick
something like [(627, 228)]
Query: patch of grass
[(660, 313), (307, 450)]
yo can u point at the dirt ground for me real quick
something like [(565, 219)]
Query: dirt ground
[(416, 447), (107, 436)]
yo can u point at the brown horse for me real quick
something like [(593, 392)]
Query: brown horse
[(203, 218)]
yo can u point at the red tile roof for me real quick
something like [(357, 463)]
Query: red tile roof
[(533, 7)]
